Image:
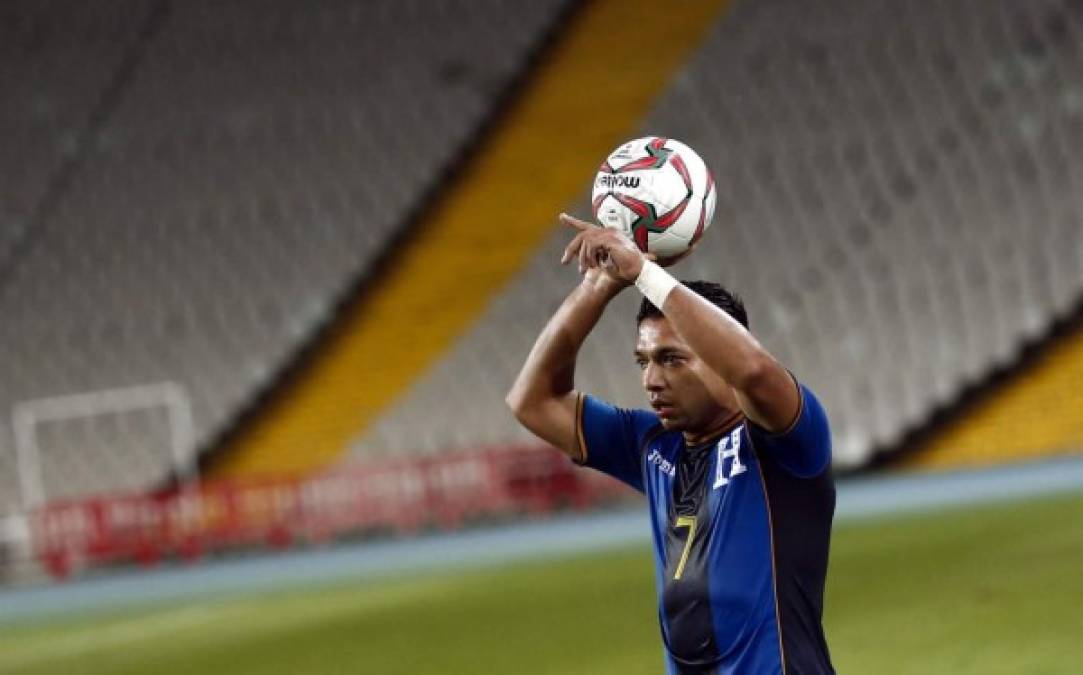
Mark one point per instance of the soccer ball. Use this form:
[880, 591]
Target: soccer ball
[658, 192]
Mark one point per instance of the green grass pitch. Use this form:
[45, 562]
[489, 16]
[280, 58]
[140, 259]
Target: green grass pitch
[993, 590]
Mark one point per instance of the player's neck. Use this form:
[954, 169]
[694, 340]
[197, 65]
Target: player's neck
[724, 422]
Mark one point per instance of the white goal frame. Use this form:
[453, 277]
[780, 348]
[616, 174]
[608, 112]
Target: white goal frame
[27, 415]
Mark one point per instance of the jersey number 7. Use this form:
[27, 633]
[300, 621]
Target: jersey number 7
[690, 523]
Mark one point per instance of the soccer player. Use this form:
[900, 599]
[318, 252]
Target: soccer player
[734, 460]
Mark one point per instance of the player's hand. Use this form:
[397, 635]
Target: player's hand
[598, 280]
[599, 248]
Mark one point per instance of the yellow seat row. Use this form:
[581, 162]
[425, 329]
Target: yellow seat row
[1035, 413]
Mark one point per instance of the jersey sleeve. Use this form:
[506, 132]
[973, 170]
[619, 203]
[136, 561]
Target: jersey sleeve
[805, 448]
[611, 438]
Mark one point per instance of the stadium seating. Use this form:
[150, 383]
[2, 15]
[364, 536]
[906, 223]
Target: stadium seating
[57, 60]
[899, 203]
[474, 239]
[193, 186]
[1038, 412]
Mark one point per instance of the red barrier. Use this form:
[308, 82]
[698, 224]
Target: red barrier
[397, 496]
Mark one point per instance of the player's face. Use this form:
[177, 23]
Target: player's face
[684, 392]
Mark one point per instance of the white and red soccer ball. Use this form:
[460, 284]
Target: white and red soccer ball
[658, 192]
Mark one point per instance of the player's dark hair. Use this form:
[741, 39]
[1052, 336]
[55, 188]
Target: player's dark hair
[712, 292]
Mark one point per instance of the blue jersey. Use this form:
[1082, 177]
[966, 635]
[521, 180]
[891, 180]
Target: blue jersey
[741, 525]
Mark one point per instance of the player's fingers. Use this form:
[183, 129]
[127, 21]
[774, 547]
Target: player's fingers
[590, 256]
[572, 249]
[603, 259]
[606, 261]
[586, 255]
[652, 257]
[572, 221]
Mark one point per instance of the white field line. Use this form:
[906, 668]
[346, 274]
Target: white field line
[91, 638]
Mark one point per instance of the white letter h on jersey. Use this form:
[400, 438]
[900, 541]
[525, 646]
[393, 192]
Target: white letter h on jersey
[729, 448]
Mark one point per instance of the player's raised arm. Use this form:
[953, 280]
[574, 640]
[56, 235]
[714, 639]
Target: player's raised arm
[766, 392]
[543, 398]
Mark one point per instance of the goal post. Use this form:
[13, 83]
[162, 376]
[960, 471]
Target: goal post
[27, 416]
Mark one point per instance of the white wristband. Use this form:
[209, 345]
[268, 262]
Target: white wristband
[655, 283]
